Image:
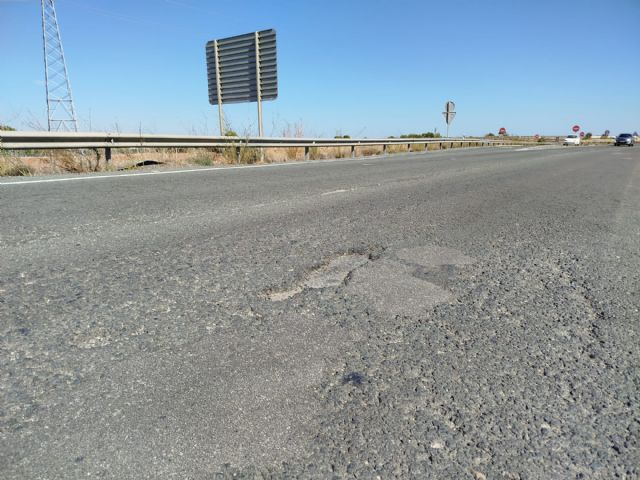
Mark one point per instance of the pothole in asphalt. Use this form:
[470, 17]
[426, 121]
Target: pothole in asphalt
[332, 274]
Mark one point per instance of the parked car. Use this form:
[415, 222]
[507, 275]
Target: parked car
[571, 140]
[624, 139]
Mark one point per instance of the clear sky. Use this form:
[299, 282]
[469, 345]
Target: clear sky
[369, 68]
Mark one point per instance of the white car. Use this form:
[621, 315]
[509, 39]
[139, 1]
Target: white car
[571, 140]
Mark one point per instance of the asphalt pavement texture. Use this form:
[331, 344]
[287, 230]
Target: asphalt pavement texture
[466, 314]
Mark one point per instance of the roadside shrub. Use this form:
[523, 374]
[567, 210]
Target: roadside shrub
[203, 160]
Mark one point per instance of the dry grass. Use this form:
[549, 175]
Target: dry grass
[14, 167]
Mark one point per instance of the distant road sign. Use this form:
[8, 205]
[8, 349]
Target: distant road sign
[581, 134]
[536, 136]
[502, 131]
[576, 128]
[449, 113]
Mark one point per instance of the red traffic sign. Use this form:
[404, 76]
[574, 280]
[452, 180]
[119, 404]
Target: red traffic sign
[581, 134]
[576, 128]
[502, 131]
[536, 136]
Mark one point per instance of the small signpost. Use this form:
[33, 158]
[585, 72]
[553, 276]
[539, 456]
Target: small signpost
[502, 131]
[581, 134]
[576, 128]
[449, 114]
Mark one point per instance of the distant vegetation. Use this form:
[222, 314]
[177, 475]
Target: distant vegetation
[7, 128]
[342, 136]
[419, 135]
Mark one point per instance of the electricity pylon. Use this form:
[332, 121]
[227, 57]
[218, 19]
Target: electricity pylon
[61, 115]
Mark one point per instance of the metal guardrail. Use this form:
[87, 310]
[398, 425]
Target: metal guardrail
[108, 141]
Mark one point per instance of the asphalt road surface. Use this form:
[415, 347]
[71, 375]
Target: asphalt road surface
[468, 314]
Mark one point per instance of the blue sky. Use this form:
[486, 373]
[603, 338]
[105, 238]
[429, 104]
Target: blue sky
[365, 68]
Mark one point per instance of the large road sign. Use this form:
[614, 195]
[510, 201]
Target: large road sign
[243, 69]
[576, 128]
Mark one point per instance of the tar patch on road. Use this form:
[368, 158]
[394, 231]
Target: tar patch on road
[353, 378]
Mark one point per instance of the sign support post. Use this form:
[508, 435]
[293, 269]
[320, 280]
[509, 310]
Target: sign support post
[259, 92]
[218, 87]
[259, 85]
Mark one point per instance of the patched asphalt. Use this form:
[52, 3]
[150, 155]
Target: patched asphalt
[462, 314]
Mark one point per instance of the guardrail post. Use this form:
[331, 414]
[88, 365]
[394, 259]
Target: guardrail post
[238, 154]
[107, 155]
[353, 151]
[409, 147]
[384, 149]
[441, 143]
[306, 153]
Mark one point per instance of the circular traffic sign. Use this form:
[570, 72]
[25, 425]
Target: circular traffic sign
[581, 134]
[502, 131]
[576, 128]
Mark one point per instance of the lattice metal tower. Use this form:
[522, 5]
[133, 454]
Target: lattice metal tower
[61, 115]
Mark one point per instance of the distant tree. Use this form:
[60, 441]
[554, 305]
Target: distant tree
[230, 133]
[7, 128]
[342, 136]
[419, 135]
[606, 133]
[588, 135]
[635, 134]
[489, 135]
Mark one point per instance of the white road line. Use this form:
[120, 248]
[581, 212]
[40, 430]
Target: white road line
[334, 192]
[141, 174]
[167, 172]
[192, 170]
